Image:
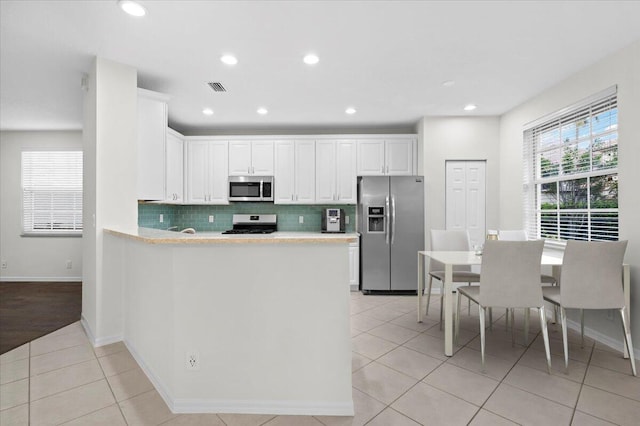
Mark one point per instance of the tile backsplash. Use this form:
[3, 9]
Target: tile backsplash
[197, 216]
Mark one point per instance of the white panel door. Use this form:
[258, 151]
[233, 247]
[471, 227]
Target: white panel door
[305, 172]
[325, 172]
[262, 158]
[197, 171]
[284, 172]
[456, 205]
[476, 201]
[399, 157]
[466, 198]
[371, 158]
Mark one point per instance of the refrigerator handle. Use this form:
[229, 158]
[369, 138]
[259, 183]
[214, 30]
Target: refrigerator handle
[393, 219]
[388, 214]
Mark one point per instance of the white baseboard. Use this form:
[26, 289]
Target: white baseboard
[598, 336]
[42, 279]
[101, 341]
[157, 383]
[184, 405]
[603, 338]
[263, 407]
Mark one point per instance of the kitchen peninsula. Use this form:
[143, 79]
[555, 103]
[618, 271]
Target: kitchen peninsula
[238, 323]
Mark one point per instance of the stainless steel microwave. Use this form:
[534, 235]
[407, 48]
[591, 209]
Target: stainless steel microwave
[250, 188]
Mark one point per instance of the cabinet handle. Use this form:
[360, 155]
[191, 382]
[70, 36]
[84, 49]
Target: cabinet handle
[248, 170]
[387, 169]
[253, 170]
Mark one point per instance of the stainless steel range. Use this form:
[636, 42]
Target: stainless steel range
[253, 224]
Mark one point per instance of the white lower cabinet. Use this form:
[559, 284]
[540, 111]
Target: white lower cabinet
[354, 266]
[207, 172]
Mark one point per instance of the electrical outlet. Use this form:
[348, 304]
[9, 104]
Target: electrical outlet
[210, 218]
[346, 220]
[193, 360]
[69, 264]
[161, 218]
[4, 264]
[300, 219]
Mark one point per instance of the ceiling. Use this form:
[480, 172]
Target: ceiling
[386, 59]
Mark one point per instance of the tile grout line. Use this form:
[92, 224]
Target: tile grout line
[586, 371]
[104, 376]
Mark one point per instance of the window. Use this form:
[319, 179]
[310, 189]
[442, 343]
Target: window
[52, 192]
[571, 172]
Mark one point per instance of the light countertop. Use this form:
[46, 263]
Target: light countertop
[160, 236]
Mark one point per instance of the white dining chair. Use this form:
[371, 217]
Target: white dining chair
[443, 240]
[521, 235]
[591, 278]
[509, 278]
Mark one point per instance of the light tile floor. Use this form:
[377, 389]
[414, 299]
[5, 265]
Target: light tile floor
[400, 377]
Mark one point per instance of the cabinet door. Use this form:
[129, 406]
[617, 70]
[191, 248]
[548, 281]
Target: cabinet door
[325, 172]
[197, 171]
[346, 178]
[399, 157]
[371, 158]
[284, 172]
[175, 168]
[239, 158]
[305, 172]
[152, 133]
[218, 172]
[262, 158]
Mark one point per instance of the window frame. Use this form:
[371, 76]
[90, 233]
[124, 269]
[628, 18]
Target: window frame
[28, 228]
[584, 111]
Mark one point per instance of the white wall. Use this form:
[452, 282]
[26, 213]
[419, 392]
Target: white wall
[457, 138]
[32, 258]
[622, 69]
[110, 175]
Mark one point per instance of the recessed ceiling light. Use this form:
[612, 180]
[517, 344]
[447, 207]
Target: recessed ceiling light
[132, 8]
[229, 59]
[262, 111]
[311, 59]
[470, 107]
[350, 111]
[207, 111]
[448, 83]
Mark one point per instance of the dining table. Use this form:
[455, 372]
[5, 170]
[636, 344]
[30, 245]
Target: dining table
[471, 258]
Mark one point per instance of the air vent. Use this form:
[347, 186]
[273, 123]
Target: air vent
[217, 87]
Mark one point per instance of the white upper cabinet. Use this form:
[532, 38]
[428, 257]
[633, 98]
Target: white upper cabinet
[370, 157]
[152, 133]
[336, 172]
[174, 160]
[207, 172]
[251, 158]
[305, 168]
[398, 156]
[391, 157]
[295, 172]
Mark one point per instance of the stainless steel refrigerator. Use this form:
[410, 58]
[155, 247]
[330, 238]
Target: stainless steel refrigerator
[391, 226]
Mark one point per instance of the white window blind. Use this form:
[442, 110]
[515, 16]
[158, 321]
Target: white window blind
[571, 172]
[51, 192]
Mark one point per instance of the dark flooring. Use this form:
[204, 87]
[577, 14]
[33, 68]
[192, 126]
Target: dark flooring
[29, 310]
